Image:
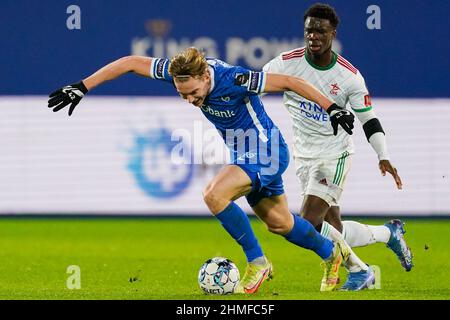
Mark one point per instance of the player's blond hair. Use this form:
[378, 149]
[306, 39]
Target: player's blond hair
[188, 63]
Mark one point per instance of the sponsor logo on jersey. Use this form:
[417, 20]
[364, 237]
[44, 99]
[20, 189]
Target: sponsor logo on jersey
[241, 79]
[324, 182]
[225, 99]
[249, 80]
[218, 113]
[160, 68]
[334, 89]
[313, 111]
[254, 80]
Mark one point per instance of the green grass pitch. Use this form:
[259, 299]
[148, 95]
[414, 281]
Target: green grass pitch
[159, 259]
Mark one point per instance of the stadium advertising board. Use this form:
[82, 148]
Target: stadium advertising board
[154, 155]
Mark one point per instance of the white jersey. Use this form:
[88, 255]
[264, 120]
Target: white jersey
[340, 82]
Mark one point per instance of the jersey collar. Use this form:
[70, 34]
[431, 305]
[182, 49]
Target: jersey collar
[211, 73]
[328, 67]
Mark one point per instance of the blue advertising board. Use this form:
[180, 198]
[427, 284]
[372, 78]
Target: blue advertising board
[401, 47]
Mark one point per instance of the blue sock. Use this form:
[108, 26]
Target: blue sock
[304, 235]
[236, 222]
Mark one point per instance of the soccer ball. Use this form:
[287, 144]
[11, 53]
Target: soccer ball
[218, 276]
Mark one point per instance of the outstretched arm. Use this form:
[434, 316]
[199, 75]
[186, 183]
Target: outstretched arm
[72, 94]
[338, 116]
[136, 64]
[279, 83]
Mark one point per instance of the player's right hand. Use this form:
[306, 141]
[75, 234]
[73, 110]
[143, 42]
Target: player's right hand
[71, 94]
[341, 116]
[386, 166]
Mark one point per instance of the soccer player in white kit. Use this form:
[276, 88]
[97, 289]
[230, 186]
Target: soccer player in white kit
[323, 159]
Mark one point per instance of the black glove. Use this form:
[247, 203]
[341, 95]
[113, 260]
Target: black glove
[341, 116]
[66, 95]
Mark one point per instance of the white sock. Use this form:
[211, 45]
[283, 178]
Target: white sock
[354, 264]
[359, 235]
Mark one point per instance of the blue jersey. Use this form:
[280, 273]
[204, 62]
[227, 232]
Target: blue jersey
[233, 106]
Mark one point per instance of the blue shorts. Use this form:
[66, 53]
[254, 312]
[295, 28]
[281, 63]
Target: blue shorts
[266, 177]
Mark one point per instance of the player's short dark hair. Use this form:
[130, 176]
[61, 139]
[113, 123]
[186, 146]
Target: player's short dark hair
[322, 11]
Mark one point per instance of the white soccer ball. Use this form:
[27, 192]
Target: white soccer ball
[218, 276]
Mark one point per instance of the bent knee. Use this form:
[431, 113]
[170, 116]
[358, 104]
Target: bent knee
[209, 196]
[215, 201]
[281, 228]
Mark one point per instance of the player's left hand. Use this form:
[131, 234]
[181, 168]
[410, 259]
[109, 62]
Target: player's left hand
[386, 166]
[71, 94]
[341, 116]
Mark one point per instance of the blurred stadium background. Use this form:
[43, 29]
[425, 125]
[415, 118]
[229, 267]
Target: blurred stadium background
[111, 156]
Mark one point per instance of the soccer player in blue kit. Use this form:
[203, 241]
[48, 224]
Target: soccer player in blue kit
[228, 97]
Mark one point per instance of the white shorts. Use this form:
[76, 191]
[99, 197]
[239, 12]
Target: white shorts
[323, 178]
